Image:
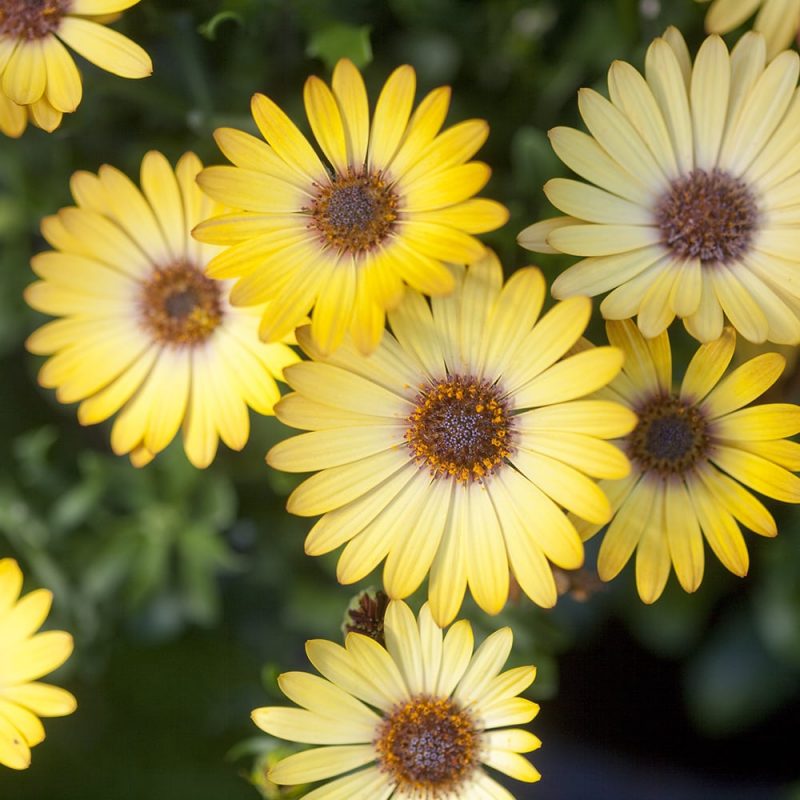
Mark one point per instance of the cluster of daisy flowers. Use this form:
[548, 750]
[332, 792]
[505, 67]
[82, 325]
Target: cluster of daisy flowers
[457, 431]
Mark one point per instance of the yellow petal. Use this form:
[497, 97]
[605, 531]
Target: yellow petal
[106, 48]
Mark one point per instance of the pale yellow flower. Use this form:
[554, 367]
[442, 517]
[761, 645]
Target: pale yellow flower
[421, 718]
[693, 203]
[695, 453]
[142, 330]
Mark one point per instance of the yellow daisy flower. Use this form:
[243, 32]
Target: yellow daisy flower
[693, 453]
[25, 656]
[420, 718]
[694, 211]
[143, 330]
[778, 20]
[453, 447]
[391, 202]
[38, 75]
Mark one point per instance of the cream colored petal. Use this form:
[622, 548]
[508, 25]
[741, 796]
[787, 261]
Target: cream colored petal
[335, 487]
[587, 202]
[486, 560]
[410, 559]
[525, 554]
[631, 94]
[339, 526]
[374, 660]
[582, 154]
[371, 782]
[321, 763]
[403, 644]
[725, 15]
[456, 657]
[748, 59]
[413, 326]
[565, 485]
[709, 100]
[762, 111]
[666, 81]
[778, 20]
[535, 237]
[617, 136]
[603, 240]
[299, 725]
[594, 276]
[592, 456]
[571, 378]
[484, 666]
[448, 576]
[707, 322]
[602, 418]
[512, 764]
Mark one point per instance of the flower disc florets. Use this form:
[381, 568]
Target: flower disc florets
[31, 19]
[671, 436]
[461, 426]
[355, 212]
[179, 305]
[708, 215]
[428, 745]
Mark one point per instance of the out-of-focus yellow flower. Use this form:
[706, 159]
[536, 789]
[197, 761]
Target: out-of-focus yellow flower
[26, 656]
[38, 77]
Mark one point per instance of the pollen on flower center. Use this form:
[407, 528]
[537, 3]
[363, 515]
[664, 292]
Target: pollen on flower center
[31, 19]
[354, 212]
[429, 746]
[671, 436]
[708, 215]
[179, 305]
[460, 427]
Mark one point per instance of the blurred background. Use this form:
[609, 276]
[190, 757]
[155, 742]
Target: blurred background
[188, 591]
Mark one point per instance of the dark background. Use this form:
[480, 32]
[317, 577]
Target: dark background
[188, 591]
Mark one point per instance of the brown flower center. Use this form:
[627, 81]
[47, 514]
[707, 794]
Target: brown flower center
[354, 212]
[429, 746]
[31, 19]
[671, 437]
[461, 426]
[179, 305]
[708, 215]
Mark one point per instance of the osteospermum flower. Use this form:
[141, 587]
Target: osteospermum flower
[38, 78]
[453, 447]
[390, 202]
[694, 211]
[144, 332]
[421, 718]
[25, 656]
[778, 20]
[694, 452]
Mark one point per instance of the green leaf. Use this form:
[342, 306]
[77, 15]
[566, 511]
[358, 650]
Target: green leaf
[341, 41]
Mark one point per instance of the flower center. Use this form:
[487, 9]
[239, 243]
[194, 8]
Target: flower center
[31, 19]
[429, 746]
[461, 427]
[354, 212]
[671, 437]
[179, 305]
[708, 215]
